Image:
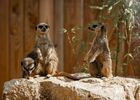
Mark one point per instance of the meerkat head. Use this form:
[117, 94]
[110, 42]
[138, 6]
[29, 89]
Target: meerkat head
[28, 65]
[98, 27]
[42, 28]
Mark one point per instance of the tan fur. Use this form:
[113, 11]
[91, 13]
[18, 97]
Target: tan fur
[49, 55]
[99, 53]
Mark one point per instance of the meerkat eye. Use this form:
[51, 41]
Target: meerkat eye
[31, 66]
[103, 28]
[46, 26]
[94, 26]
[40, 26]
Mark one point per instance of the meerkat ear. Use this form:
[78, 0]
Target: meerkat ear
[103, 28]
[21, 63]
[35, 27]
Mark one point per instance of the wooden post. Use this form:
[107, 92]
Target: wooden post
[46, 15]
[15, 38]
[4, 42]
[58, 31]
[30, 20]
[73, 15]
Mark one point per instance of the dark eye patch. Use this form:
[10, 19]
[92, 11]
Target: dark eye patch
[30, 67]
[94, 26]
[26, 68]
[46, 26]
[30, 64]
[40, 26]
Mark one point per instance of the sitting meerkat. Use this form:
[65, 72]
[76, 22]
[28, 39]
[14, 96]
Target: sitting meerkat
[99, 57]
[42, 60]
[43, 42]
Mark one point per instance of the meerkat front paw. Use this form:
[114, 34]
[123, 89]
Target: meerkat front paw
[30, 78]
[36, 76]
[48, 76]
[106, 78]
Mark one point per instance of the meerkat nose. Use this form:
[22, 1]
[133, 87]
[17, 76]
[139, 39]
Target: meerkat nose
[43, 29]
[89, 27]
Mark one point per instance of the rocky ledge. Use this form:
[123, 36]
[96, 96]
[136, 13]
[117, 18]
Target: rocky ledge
[61, 88]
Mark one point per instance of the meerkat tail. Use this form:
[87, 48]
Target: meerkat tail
[71, 76]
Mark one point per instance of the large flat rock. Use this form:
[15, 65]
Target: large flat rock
[61, 88]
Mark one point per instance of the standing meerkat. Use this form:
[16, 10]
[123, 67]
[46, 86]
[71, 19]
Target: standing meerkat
[99, 56]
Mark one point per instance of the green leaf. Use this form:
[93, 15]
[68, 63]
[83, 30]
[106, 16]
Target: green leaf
[136, 48]
[113, 3]
[83, 47]
[64, 30]
[99, 7]
[130, 3]
[129, 55]
[109, 9]
[77, 27]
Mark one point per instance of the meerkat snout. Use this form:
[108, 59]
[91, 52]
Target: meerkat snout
[42, 27]
[97, 27]
[92, 27]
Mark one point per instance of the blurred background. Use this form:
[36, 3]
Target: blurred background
[68, 20]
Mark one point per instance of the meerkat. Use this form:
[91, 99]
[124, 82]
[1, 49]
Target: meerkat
[99, 57]
[47, 49]
[30, 64]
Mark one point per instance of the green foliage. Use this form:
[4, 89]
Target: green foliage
[83, 47]
[76, 28]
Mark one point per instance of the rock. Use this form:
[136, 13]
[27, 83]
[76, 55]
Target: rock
[61, 88]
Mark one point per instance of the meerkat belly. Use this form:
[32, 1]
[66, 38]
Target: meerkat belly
[44, 50]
